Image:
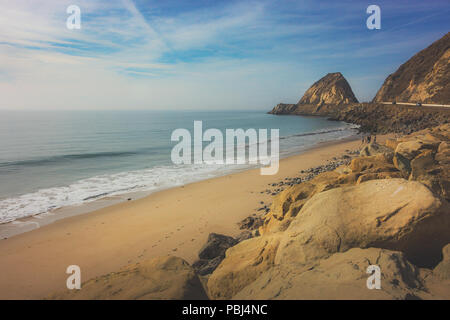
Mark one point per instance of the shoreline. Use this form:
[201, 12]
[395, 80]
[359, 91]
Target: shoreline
[174, 221]
[34, 222]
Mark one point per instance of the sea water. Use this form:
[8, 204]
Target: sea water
[53, 159]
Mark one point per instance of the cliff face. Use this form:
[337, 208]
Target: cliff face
[423, 78]
[331, 89]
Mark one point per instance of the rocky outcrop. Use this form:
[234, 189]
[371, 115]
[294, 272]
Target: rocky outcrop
[341, 276]
[424, 157]
[324, 96]
[163, 278]
[382, 118]
[393, 214]
[321, 235]
[243, 264]
[423, 78]
[333, 89]
[442, 270]
[283, 108]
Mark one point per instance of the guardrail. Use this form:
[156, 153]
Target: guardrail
[415, 104]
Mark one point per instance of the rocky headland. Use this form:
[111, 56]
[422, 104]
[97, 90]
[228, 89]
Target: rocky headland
[422, 79]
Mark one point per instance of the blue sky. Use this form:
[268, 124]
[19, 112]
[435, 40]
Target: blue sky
[208, 54]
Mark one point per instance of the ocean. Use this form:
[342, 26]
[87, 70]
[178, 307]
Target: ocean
[53, 159]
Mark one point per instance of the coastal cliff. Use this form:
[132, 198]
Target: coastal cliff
[424, 78]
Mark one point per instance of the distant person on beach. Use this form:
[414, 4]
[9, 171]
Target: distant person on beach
[368, 139]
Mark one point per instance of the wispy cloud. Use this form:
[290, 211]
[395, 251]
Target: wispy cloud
[196, 54]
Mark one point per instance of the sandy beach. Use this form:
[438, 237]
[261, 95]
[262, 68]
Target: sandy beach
[175, 221]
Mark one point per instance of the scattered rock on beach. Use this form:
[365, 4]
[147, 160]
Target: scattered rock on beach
[216, 246]
[212, 253]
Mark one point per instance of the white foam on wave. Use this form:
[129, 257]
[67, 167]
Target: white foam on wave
[86, 190]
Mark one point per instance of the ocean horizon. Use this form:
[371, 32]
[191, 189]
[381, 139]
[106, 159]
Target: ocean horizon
[54, 159]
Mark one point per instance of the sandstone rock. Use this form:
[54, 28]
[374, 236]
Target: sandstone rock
[421, 164]
[394, 214]
[408, 150]
[442, 270]
[216, 246]
[373, 149]
[245, 235]
[443, 153]
[289, 202]
[164, 278]
[392, 143]
[341, 276]
[372, 164]
[378, 175]
[242, 265]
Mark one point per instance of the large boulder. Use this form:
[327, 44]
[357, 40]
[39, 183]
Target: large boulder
[163, 278]
[408, 150]
[341, 276]
[289, 202]
[394, 214]
[243, 264]
[442, 270]
[372, 164]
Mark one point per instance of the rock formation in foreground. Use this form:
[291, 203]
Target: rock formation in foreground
[424, 78]
[330, 91]
[389, 207]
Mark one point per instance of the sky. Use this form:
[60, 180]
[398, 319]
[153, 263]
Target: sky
[202, 54]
